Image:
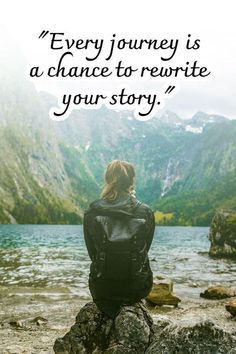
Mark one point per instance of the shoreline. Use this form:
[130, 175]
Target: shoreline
[32, 319]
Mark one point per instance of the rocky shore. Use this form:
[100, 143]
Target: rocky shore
[32, 320]
[135, 331]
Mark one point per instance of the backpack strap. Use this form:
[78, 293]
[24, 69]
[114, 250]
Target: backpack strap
[102, 255]
[135, 204]
[134, 257]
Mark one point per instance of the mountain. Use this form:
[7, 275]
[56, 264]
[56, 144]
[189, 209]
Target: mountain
[50, 171]
[54, 169]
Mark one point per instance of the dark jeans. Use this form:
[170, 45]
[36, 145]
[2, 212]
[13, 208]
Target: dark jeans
[110, 295]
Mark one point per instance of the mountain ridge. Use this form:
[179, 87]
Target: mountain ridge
[51, 171]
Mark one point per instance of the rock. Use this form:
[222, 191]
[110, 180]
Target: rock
[39, 320]
[133, 332]
[231, 307]
[192, 336]
[93, 332]
[17, 323]
[160, 322]
[217, 293]
[223, 234]
[161, 294]
[193, 285]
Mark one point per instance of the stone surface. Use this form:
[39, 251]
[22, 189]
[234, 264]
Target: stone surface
[223, 234]
[217, 293]
[192, 336]
[17, 323]
[39, 320]
[231, 307]
[130, 332]
[134, 332]
[161, 293]
[16, 349]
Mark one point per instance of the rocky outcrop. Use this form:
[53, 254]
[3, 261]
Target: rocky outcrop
[93, 332]
[162, 293]
[223, 234]
[192, 336]
[133, 332]
[217, 293]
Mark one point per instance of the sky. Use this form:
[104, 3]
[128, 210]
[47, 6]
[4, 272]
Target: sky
[210, 21]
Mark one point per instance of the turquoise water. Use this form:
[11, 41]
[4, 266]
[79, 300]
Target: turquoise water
[56, 256]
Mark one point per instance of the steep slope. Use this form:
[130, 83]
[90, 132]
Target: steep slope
[34, 186]
[198, 207]
[50, 171]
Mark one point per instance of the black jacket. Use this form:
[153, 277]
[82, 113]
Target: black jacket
[131, 291]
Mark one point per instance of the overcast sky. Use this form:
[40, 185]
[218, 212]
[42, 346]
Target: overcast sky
[212, 22]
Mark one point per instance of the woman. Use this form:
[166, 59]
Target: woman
[118, 231]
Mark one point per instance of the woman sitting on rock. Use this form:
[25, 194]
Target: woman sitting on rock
[118, 231]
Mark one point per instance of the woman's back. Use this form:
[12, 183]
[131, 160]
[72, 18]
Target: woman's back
[118, 231]
[118, 235]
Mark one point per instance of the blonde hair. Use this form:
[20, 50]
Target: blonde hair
[119, 177]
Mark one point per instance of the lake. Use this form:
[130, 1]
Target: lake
[55, 256]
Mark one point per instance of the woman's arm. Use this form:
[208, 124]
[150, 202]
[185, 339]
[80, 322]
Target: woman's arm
[89, 233]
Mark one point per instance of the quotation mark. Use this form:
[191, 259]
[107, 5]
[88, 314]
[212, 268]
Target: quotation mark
[43, 34]
[170, 89]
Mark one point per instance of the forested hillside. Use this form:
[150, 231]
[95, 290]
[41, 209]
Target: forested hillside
[50, 171]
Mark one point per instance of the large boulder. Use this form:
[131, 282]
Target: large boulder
[133, 332]
[193, 336]
[223, 234]
[93, 332]
[162, 293]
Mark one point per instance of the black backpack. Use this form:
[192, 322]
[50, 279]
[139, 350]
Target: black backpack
[121, 246]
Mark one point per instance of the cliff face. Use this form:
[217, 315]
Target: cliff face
[223, 234]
